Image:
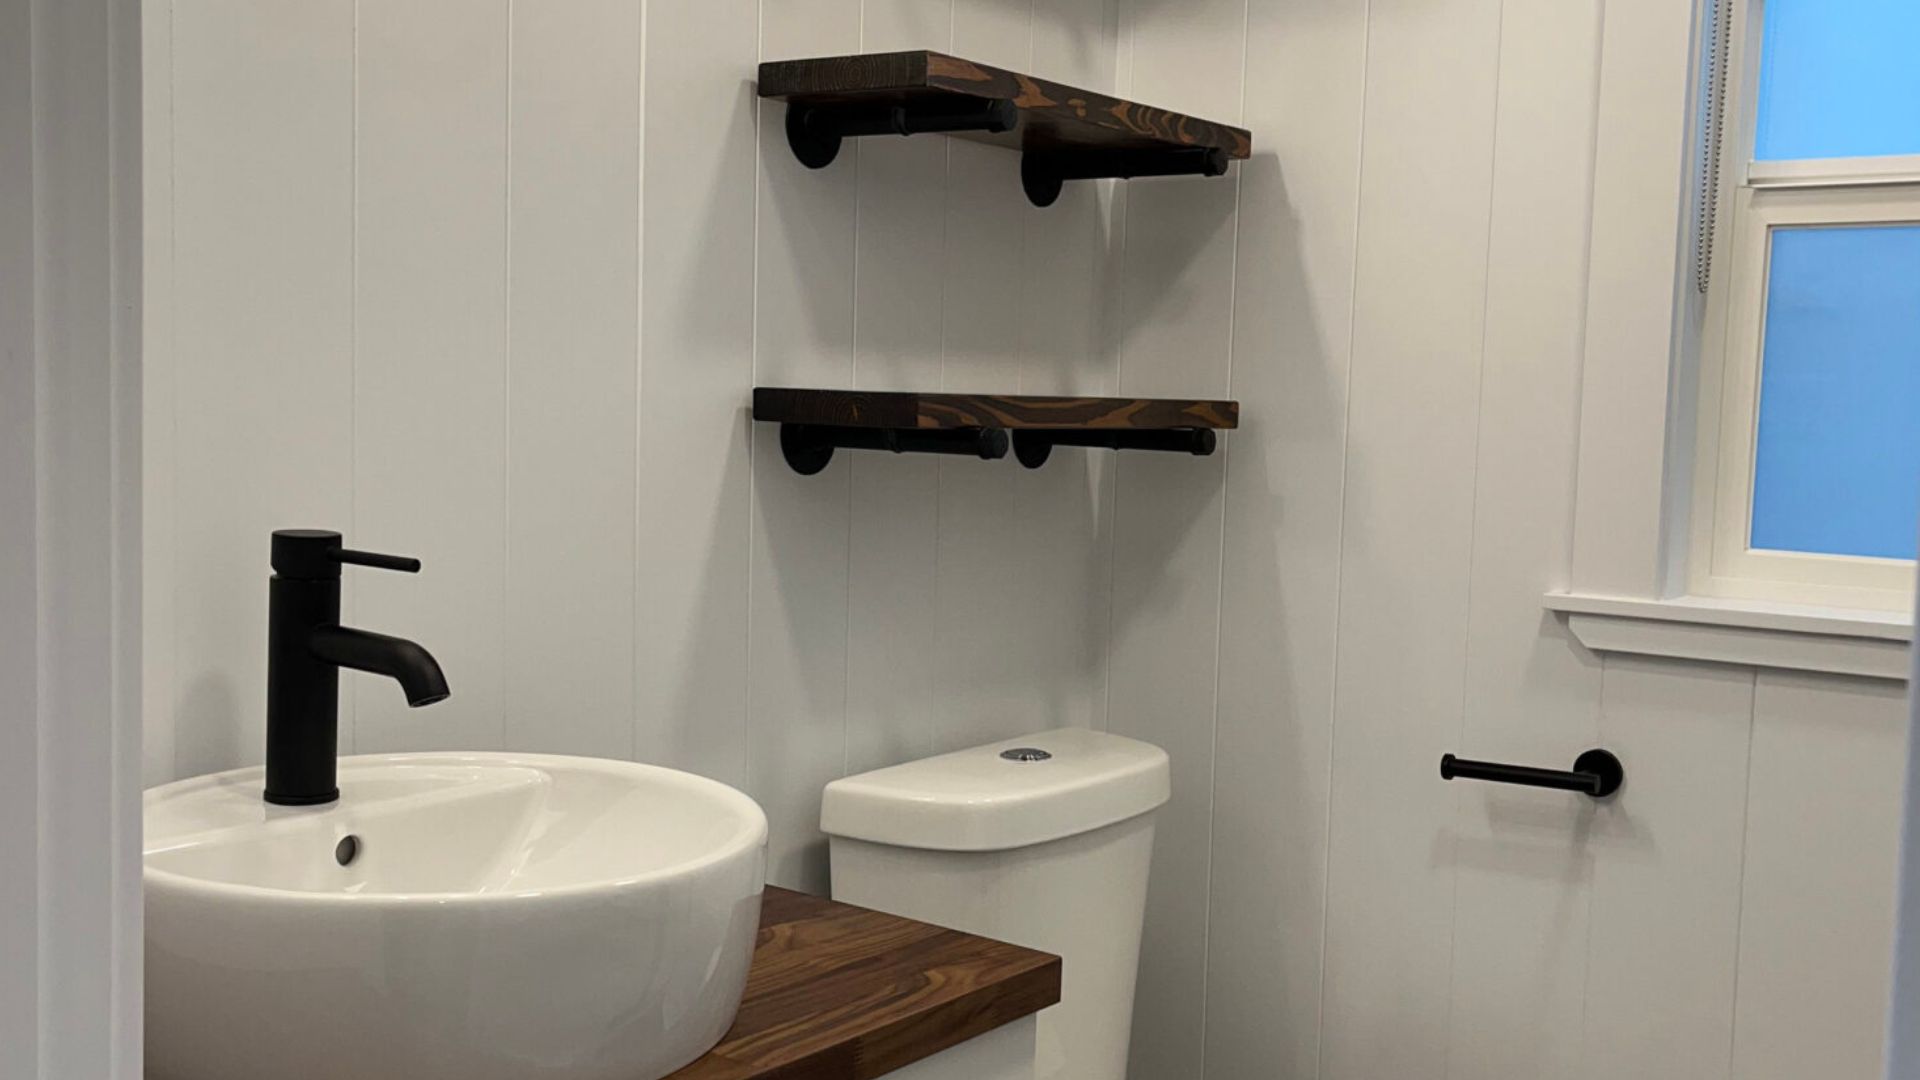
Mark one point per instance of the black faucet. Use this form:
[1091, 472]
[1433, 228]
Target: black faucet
[307, 647]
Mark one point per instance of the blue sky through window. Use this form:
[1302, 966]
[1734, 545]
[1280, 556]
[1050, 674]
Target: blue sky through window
[1839, 78]
[1837, 459]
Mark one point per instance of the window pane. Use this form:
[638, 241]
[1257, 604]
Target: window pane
[1839, 78]
[1837, 464]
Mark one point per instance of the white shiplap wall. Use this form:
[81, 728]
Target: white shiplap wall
[489, 282]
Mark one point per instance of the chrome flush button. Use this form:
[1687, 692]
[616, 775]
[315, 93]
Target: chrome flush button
[1025, 753]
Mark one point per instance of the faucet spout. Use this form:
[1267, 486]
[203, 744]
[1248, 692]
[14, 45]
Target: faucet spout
[413, 667]
[307, 647]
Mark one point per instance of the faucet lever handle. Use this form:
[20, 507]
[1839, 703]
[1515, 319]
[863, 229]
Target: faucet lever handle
[402, 563]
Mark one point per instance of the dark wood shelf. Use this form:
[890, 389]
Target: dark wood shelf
[813, 423]
[1064, 132]
[842, 993]
[1053, 115]
[946, 412]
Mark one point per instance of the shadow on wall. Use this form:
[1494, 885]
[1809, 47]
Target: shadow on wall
[1071, 23]
[1272, 739]
[797, 672]
[1020, 647]
[1176, 222]
[1180, 227]
[1010, 565]
[207, 722]
[694, 336]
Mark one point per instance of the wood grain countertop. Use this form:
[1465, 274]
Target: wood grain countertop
[842, 993]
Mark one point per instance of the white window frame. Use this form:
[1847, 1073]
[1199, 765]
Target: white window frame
[1763, 197]
[1653, 355]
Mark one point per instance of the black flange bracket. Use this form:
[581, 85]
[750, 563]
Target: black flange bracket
[814, 131]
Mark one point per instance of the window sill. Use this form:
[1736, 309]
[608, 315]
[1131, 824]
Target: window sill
[1870, 644]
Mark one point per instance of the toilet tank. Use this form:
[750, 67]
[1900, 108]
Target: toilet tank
[1043, 840]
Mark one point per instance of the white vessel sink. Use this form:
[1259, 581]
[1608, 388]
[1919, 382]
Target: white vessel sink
[500, 917]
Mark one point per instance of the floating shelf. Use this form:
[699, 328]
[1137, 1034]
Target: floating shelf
[1065, 133]
[813, 423]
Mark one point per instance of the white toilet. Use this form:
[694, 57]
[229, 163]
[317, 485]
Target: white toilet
[1043, 841]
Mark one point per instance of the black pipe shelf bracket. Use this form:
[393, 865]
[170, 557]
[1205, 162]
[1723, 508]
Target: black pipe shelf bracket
[808, 448]
[1043, 172]
[1032, 446]
[815, 131]
[1596, 774]
[815, 423]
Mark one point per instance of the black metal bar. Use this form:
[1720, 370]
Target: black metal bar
[406, 564]
[1596, 773]
[814, 131]
[1042, 172]
[1034, 445]
[809, 447]
[1128, 164]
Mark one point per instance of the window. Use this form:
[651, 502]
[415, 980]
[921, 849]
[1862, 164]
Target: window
[1837, 80]
[1808, 480]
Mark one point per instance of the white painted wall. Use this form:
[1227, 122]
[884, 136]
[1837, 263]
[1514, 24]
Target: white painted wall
[405, 251]
[19, 548]
[490, 284]
[1903, 1022]
[70, 165]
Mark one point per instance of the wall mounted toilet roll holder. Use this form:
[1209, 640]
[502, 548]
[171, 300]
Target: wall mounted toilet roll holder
[1596, 773]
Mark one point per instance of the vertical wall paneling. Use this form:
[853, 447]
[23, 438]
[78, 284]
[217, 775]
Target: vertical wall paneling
[1408, 536]
[1174, 337]
[573, 291]
[1903, 1017]
[159, 410]
[1292, 325]
[998, 32]
[70, 257]
[1166, 598]
[1666, 871]
[1520, 857]
[803, 311]
[696, 371]
[1185, 56]
[1071, 253]
[893, 25]
[1062, 528]
[263, 361]
[430, 365]
[892, 537]
[21, 918]
[1640, 191]
[493, 284]
[899, 301]
[984, 687]
[1076, 41]
[984, 681]
[1817, 888]
[119, 33]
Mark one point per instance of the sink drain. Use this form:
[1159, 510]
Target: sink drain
[347, 850]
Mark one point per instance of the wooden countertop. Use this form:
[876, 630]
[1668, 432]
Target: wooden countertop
[842, 993]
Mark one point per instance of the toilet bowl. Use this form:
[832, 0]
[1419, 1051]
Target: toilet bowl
[1043, 841]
